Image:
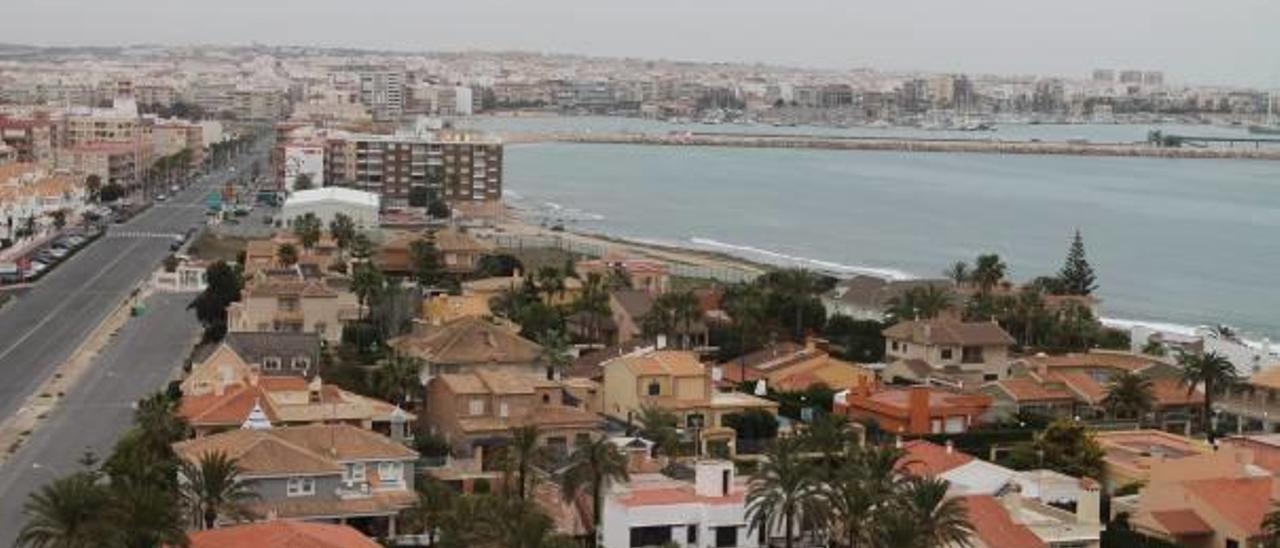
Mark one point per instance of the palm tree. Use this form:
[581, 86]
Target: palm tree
[783, 490]
[746, 307]
[524, 452]
[797, 285]
[1271, 528]
[343, 230]
[435, 499]
[288, 254]
[368, 284]
[661, 427]
[308, 228]
[1154, 348]
[398, 378]
[594, 466]
[861, 492]
[988, 271]
[958, 273]
[1212, 371]
[594, 301]
[551, 282]
[518, 523]
[69, 512]
[937, 521]
[213, 489]
[919, 303]
[555, 353]
[158, 418]
[1130, 394]
[685, 310]
[146, 514]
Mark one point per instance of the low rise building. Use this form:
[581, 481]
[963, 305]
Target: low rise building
[677, 382]
[793, 367]
[281, 534]
[913, 410]
[868, 297]
[471, 344]
[1131, 455]
[292, 302]
[474, 409]
[656, 510]
[326, 203]
[241, 354]
[958, 352]
[329, 473]
[646, 275]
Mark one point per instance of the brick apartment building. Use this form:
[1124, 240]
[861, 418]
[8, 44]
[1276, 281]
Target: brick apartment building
[460, 169]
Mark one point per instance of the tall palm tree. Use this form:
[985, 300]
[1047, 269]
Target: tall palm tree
[958, 273]
[746, 307]
[939, 521]
[685, 310]
[288, 254]
[157, 418]
[518, 523]
[69, 512]
[368, 284]
[797, 285]
[213, 489]
[784, 491]
[594, 301]
[988, 271]
[398, 379]
[661, 427]
[551, 282]
[861, 492]
[919, 303]
[555, 353]
[343, 230]
[594, 466]
[435, 499]
[1130, 394]
[1215, 373]
[308, 229]
[524, 453]
[146, 514]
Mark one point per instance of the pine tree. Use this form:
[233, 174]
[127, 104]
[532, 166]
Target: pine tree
[1077, 275]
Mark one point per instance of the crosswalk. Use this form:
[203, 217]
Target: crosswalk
[138, 234]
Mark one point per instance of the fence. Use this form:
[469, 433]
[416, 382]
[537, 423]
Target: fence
[726, 274]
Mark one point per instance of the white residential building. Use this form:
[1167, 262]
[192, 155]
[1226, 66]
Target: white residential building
[325, 203]
[654, 510]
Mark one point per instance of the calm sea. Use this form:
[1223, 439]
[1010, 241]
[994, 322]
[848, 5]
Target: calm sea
[1186, 242]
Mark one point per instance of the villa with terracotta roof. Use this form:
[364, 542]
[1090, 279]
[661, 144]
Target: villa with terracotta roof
[281, 534]
[677, 382]
[291, 401]
[795, 367]
[1131, 455]
[1253, 405]
[482, 407]
[329, 473]
[469, 344]
[241, 354]
[913, 410]
[1215, 499]
[293, 301]
[650, 276]
[944, 349]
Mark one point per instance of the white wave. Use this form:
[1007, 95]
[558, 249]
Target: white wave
[1162, 327]
[553, 206]
[783, 258]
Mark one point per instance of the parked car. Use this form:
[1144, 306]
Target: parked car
[161, 198]
[57, 252]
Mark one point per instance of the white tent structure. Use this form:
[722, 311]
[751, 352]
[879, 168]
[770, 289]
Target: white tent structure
[325, 203]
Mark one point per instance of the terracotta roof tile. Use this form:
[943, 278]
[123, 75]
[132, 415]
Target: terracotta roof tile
[924, 458]
[1182, 522]
[1243, 501]
[953, 332]
[1027, 388]
[992, 523]
[281, 534]
[469, 340]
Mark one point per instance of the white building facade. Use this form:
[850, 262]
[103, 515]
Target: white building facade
[326, 203]
[654, 510]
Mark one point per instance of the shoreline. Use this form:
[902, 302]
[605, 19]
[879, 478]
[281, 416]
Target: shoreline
[515, 222]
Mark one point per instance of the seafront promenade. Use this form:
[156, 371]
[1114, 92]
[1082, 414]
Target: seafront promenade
[906, 144]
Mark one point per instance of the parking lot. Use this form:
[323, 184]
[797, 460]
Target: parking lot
[36, 262]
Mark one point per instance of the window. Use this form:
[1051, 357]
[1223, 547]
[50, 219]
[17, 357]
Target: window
[727, 536]
[271, 363]
[354, 472]
[655, 388]
[971, 354]
[477, 406]
[946, 353]
[935, 426]
[502, 409]
[894, 345]
[546, 398]
[691, 535]
[693, 420]
[650, 536]
[581, 438]
[551, 373]
[301, 487]
[990, 377]
[301, 363]
[1233, 543]
[390, 472]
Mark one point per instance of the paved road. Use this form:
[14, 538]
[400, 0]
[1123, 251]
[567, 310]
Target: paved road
[142, 358]
[43, 326]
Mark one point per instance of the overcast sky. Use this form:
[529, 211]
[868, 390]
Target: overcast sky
[1194, 41]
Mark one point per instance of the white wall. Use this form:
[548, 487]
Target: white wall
[303, 159]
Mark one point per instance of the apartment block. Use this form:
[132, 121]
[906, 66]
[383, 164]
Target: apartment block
[458, 169]
[383, 92]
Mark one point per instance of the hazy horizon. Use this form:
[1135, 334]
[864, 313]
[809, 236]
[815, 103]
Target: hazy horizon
[1231, 42]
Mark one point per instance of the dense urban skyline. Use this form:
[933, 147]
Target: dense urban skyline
[1190, 43]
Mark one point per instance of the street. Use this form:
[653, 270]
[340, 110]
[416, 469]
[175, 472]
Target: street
[142, 358]
[42, 326]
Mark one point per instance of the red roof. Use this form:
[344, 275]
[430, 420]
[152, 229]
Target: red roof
[1026, 389]
[992, 523]
[1181, 523]
[925, 458]
[282, 534]
[1243, 501]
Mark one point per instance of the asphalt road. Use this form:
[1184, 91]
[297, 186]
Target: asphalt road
[42, 327]
[146, 354]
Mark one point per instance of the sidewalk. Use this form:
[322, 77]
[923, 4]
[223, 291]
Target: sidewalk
[14, 252]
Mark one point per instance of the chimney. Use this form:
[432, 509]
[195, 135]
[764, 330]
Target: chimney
[713, 478]
[918, 410]
[661, 342]
[1089, 507]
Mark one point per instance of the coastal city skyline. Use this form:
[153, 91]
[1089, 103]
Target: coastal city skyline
[996, 37]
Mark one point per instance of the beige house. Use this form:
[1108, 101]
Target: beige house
[289, 301]
[964, 353]
[469, 344]
[243, 354]
[677, 382]
[471, 409]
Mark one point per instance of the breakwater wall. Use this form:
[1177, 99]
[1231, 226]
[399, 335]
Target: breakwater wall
[905, 144]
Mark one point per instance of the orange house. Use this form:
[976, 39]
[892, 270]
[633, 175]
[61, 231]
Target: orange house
[914, 409]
